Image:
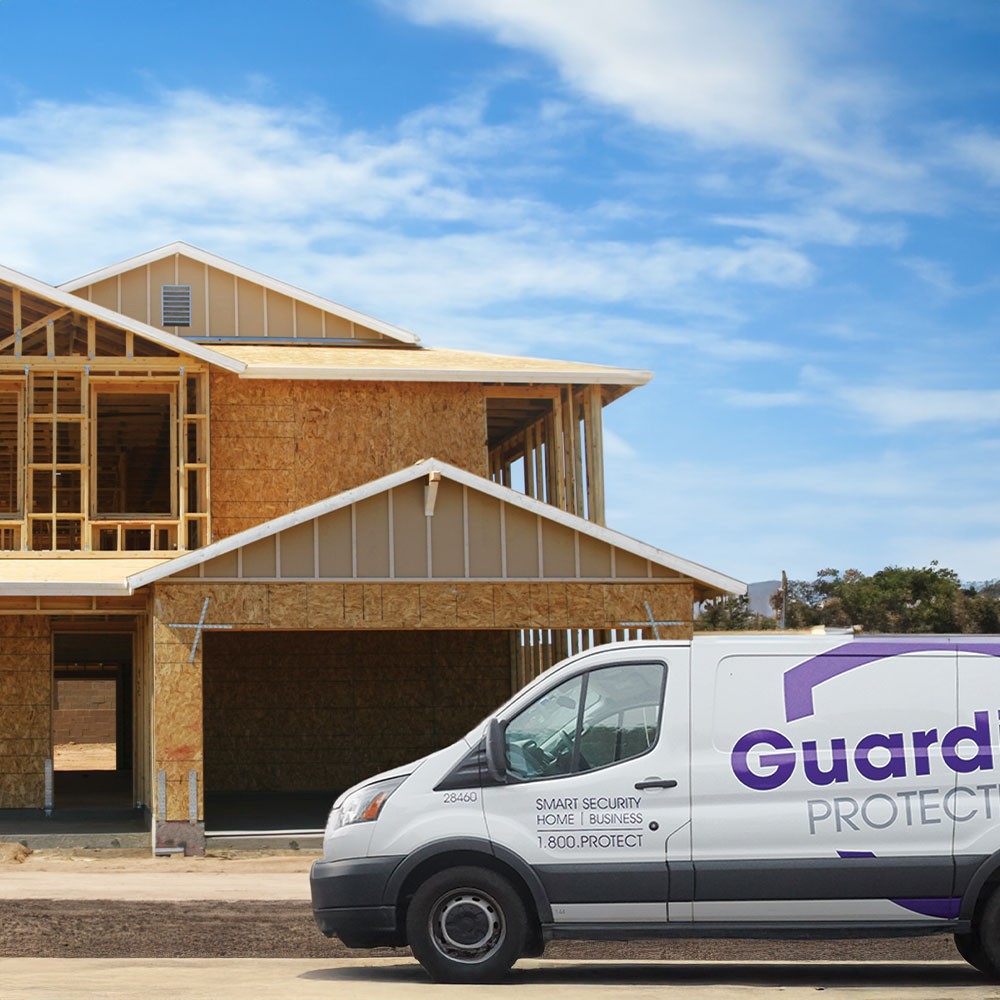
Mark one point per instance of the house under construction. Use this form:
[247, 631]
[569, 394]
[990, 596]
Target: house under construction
[280, 544]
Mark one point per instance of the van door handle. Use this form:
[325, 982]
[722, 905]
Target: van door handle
[655, 783]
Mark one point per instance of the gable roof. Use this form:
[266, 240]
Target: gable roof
[480, 531]
[60, 297]
[239, 271]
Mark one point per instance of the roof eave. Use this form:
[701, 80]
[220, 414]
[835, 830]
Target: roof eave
[624, 378]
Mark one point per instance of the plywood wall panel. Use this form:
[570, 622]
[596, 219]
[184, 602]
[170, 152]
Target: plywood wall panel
[332, 436]
[25, 710]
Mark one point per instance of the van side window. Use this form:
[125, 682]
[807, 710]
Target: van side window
[601, 717]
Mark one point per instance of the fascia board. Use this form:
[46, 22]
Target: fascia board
[77, 304]
[238, 270]
[56, 589]
[699, 573]
[622, 377]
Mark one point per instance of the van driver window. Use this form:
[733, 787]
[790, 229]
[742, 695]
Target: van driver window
[594, 719]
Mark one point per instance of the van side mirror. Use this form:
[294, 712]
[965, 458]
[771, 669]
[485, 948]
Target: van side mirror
[496, 752]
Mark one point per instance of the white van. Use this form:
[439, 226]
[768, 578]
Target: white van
[785, 786]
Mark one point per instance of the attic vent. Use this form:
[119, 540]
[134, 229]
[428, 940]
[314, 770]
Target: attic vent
[176, 305]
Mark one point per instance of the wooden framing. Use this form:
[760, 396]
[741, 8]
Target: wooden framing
[561, 451]
[58, 364]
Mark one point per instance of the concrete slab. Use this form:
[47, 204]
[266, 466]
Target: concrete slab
[387, 979]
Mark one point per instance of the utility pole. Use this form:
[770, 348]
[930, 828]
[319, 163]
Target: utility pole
[784, 596]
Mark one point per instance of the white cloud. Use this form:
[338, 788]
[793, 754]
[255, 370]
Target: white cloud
[980, 151]
[764, 400]
[819, 225]
[286, 191]
[758, 75]
[899, 408]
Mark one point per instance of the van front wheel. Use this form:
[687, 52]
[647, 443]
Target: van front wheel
[466, 925]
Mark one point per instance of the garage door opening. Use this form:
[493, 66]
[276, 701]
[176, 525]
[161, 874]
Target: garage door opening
[92, 725]
[291, 719]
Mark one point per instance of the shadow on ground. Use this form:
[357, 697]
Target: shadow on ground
[817, 975]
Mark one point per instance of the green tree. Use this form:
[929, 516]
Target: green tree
[895, 599]
[731, 613]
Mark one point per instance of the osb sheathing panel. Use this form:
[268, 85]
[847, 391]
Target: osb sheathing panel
[25, 710]
[321, 710]
[416, 605]
[291, 443]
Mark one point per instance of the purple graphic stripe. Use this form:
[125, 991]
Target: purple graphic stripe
[802, 679]
[944, 907]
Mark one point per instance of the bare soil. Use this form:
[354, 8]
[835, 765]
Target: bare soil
[246, 927]
[253, 929]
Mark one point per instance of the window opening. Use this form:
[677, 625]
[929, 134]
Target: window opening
[134, 464]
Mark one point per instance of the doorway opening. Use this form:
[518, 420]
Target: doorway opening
[92, 720]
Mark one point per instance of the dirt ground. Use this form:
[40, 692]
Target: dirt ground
[246, 927]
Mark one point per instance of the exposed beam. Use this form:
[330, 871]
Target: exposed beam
[32, 327]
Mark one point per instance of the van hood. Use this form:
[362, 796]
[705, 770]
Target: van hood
[403, 771]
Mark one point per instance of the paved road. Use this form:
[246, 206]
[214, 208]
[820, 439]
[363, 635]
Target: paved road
[387, 979]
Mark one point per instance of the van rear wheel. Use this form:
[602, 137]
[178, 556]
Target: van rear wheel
[970, 948]
[983, 949]
[466, 925]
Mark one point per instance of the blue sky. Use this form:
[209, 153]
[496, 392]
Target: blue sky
[788, 210]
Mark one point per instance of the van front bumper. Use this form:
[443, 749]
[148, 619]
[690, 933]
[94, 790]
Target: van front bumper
[348, 899]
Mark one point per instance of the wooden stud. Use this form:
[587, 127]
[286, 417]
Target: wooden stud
[529, 461]
[577, 455]
[91, 337]
[559, 458]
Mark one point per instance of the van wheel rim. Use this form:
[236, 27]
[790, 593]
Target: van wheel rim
[467, 925]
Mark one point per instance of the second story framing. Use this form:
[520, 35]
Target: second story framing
[104, 430]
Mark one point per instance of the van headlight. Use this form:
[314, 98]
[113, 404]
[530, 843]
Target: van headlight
[363, 805]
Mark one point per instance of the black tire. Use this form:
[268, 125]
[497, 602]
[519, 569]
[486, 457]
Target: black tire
[466, 925]
[970, 948]
[984, 950]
